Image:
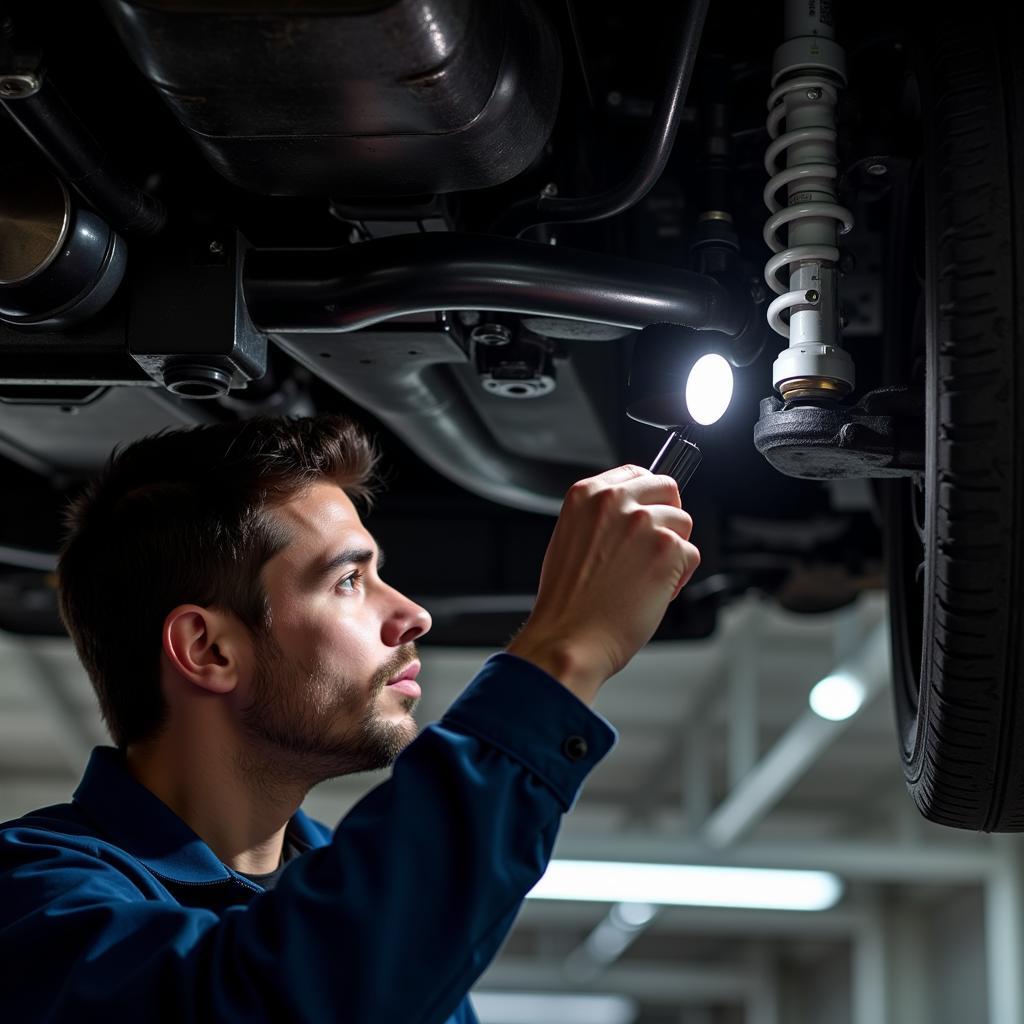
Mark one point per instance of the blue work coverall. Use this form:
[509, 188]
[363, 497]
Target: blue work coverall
[112, 908]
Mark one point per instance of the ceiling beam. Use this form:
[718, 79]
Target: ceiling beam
[798, 748]
[669, 982]
[921, 862]
[563, 915]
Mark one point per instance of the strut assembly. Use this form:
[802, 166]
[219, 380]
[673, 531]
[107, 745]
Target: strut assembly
[809, 70]
[810, 433]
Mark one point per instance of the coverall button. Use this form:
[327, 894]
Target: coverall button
[575, 748]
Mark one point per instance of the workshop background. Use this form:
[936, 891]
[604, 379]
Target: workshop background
[720, 761]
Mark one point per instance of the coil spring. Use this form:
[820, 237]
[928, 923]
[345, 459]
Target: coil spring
[783, 215]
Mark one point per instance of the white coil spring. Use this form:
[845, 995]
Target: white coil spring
[782, 215]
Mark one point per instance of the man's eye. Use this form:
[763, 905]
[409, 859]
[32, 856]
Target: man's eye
[354, 578]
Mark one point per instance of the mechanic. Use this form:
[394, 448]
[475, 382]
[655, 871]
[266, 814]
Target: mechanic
[226, 600]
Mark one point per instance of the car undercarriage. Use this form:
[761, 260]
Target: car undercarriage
[496, 233]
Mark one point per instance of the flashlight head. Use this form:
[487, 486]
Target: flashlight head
[673, 380]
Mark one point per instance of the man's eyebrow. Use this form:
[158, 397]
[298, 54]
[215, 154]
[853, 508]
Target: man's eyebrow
[351, 556]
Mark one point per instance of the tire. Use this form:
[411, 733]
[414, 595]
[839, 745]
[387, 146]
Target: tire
[957, 630]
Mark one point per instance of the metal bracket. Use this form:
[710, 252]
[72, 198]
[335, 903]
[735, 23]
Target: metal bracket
[881, 436]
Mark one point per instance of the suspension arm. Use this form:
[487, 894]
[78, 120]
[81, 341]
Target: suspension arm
[354, 286]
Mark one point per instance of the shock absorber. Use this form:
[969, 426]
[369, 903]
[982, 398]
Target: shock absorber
[809, 69]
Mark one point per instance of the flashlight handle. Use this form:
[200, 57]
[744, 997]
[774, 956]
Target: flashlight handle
[678, 458]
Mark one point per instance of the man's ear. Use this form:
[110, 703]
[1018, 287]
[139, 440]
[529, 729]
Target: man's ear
[205, 646]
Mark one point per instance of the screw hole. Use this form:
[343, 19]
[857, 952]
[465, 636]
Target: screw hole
[325, 355]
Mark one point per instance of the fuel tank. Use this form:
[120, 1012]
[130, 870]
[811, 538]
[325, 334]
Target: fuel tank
[352, 97]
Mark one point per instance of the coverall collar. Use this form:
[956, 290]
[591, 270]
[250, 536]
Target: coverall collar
[135, 819]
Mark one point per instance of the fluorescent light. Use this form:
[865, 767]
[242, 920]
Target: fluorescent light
[552, 1008]
[632, 915]
[837, 696]
[688, 885]
[709, 389]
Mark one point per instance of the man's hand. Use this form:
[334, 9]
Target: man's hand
[620, 552]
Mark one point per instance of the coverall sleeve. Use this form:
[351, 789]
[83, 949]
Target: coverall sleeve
[392, 921]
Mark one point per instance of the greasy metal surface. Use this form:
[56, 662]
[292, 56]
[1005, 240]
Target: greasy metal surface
[408, 98]
[34, 213]
[881, 436]
[404, 374]
[77, 283]
[209, 332]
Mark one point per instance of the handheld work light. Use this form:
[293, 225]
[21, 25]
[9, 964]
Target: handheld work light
[676, 385]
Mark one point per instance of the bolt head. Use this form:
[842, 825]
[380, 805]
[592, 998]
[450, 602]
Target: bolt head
[491, 334]
[814, 94]
[14, 87]
[811, 296]
[216, 248]
[549, 190]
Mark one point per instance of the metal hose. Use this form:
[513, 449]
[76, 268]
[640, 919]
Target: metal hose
[548, 209]
[79, 159]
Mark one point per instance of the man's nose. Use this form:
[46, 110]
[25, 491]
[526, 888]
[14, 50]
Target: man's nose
[407, 622]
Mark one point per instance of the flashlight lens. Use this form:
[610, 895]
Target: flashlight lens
[709, 389]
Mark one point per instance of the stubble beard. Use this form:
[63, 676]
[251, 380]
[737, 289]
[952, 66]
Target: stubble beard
[295, 721]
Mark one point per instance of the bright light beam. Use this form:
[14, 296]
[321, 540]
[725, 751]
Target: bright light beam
[709, 389]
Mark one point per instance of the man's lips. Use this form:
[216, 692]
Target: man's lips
[405, 681]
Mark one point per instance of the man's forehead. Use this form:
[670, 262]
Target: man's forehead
[318, 523]
[324, 510]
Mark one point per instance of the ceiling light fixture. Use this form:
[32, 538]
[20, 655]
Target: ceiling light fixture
[837, 697]
[688, 885]
[553, 1008]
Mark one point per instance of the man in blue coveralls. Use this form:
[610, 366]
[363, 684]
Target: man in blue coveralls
[227, 603]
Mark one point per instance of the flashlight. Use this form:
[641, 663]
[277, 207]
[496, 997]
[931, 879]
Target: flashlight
[679, 458]
[657, 399]
[708, 393]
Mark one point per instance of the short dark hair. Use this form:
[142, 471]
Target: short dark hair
[183, 517]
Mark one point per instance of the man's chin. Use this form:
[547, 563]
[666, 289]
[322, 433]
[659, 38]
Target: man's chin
[395, 729]
[392, 706]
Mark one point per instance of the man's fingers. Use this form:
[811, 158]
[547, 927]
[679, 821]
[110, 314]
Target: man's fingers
[620, 474]
[682, 523]
[653, 489]
[675, 519]
[692, 564]
[641, 485]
